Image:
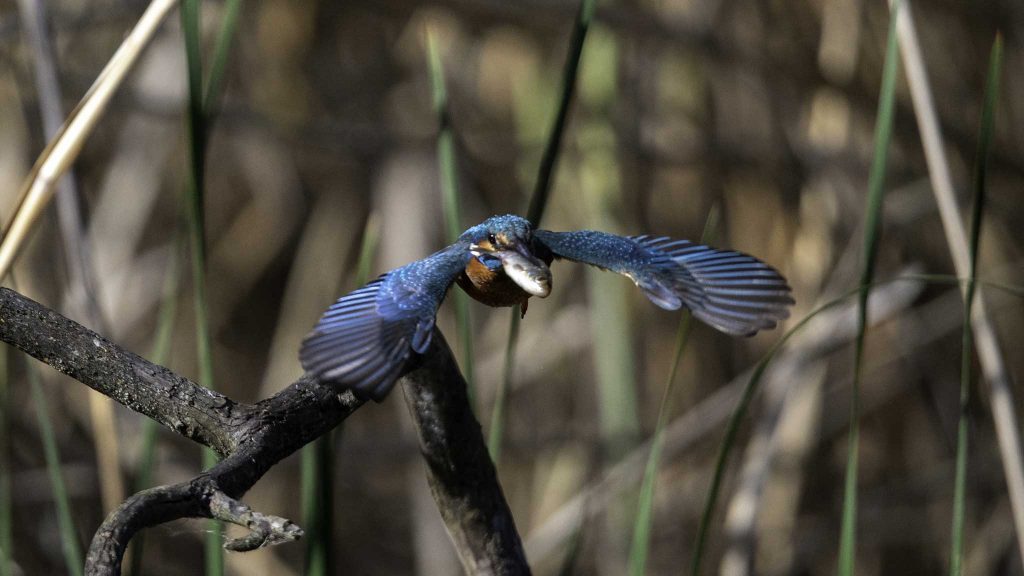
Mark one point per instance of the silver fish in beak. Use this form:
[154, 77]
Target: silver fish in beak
[526, 270]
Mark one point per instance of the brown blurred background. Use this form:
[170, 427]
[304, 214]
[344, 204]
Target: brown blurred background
[764, 109]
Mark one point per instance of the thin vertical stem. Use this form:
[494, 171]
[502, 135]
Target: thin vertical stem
[497, 431]
[645, 506]
[872, 233]
[6, 542]
[159, 354]
[538, 202]
[549, 161]
[318, 504]
[70, 545]
[446, 162]
[201, 109]
[318, 458]
[733, 425]
[81, 282]
[990, 357]
[197, 136]
[218, 64]
[980, 171]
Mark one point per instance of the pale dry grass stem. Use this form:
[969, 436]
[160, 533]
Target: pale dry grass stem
[59, 155]
[986, 341]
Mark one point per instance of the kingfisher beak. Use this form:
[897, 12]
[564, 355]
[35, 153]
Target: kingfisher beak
[525, 269]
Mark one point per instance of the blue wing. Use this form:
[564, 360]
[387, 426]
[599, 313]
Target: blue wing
[733, 292]
[363, 341]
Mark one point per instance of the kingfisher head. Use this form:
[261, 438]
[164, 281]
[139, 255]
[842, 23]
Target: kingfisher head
[507, 242]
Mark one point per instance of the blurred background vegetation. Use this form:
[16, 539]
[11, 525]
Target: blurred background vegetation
[761, 110]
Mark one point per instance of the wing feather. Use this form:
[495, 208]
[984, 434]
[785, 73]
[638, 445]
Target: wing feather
[732, 291]
[363, 340]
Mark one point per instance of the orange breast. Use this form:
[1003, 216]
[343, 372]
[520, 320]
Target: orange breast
[493, 288]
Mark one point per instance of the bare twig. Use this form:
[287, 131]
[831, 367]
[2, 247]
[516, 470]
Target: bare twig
[987, 344]
[263, 530]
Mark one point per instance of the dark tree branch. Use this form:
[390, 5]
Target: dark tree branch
[142, 510]
[459, 468]
[253, 438]
[193, 411]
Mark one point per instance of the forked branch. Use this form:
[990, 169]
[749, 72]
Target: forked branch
[252, 438]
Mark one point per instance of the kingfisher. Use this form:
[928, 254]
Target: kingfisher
[364, 340]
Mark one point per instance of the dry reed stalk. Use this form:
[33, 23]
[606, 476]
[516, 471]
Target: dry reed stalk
[986, 342]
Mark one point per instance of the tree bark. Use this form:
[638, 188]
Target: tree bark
[459, 469]
[251, 438]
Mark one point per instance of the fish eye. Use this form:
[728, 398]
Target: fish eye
[492, 239]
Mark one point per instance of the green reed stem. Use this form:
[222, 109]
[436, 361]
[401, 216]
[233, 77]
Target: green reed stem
[640, 548]
[447, 164]
[70, 545]
[318, 460]
[538, 202]
[158, 355]
[549, 161]
[872, 233]
[497, 431]
[6, 541]
[980, 170]
[200, 122]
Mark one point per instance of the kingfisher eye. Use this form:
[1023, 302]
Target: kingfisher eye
[492, 239]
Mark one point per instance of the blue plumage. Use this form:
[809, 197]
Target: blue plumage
[364, 340]
[734, 292]
[508, 224]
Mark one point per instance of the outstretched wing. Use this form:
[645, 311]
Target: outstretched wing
[731, 291]
[362, 341]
